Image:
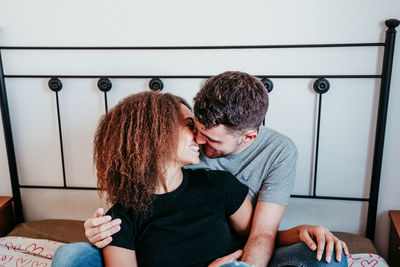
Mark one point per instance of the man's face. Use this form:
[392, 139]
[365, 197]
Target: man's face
[217, 141]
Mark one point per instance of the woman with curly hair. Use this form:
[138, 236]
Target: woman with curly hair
[170, 216]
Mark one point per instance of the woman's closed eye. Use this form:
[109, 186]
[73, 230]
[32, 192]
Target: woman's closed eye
[190, 123]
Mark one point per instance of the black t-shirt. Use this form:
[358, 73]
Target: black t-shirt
[186, 227]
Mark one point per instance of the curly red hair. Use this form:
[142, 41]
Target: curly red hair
[131, 145]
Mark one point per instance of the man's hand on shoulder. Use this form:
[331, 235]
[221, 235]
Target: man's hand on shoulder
[99, 228]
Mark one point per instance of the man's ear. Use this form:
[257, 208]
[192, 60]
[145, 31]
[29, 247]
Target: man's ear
[249, 135]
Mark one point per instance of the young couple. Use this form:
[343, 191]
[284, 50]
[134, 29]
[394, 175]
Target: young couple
[168, 211]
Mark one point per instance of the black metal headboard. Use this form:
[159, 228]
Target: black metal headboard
[321, 86]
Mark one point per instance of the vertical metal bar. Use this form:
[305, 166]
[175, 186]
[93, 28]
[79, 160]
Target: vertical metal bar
[61, 139]
[106, 102]
[381, 125]
[314, 193]
[12, 163]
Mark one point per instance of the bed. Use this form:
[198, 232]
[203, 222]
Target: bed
[33, 234]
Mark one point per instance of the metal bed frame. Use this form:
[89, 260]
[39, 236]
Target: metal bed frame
[321, 85]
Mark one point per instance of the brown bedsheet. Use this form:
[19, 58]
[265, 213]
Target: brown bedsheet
[357, 243]
[68, 231]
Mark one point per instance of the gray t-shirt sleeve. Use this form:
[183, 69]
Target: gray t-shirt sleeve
[278, 182]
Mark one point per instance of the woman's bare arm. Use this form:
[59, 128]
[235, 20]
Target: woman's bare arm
[116, 256]
[241, 219]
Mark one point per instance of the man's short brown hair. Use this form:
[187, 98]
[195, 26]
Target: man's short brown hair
[234, 99]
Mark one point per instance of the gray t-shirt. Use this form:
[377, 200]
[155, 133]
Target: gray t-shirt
[267, 167]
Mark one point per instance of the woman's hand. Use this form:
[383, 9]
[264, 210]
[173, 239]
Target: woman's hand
[324, 238]
[228, 258]
[99, 228]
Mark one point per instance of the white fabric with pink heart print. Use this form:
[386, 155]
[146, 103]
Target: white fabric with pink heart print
[22, 251]
[366, 260]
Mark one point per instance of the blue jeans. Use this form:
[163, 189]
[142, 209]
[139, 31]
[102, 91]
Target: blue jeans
[295, 255]
[77, 254]
[300, 255]
[84, 254]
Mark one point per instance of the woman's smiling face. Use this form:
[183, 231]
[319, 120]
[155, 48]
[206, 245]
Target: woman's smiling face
[188, 150]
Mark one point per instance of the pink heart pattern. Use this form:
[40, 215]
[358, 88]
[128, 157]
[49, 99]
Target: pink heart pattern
[26, 252]
[366, 263]
[366, 260]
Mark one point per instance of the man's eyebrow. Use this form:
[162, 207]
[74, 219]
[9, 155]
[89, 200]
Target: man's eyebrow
[213, 140]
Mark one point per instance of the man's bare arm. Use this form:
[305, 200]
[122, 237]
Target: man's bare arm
[260, 244]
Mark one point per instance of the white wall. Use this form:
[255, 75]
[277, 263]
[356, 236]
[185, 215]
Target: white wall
[292, 111]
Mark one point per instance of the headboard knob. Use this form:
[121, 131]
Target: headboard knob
[55, 84]
[104, 84]
[156, 84]
[321, 86]
[269, 85]
[392, 23]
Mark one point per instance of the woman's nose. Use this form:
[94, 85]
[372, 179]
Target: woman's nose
[199, 138]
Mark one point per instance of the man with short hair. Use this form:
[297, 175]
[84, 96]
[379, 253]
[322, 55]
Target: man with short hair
[229, 110]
